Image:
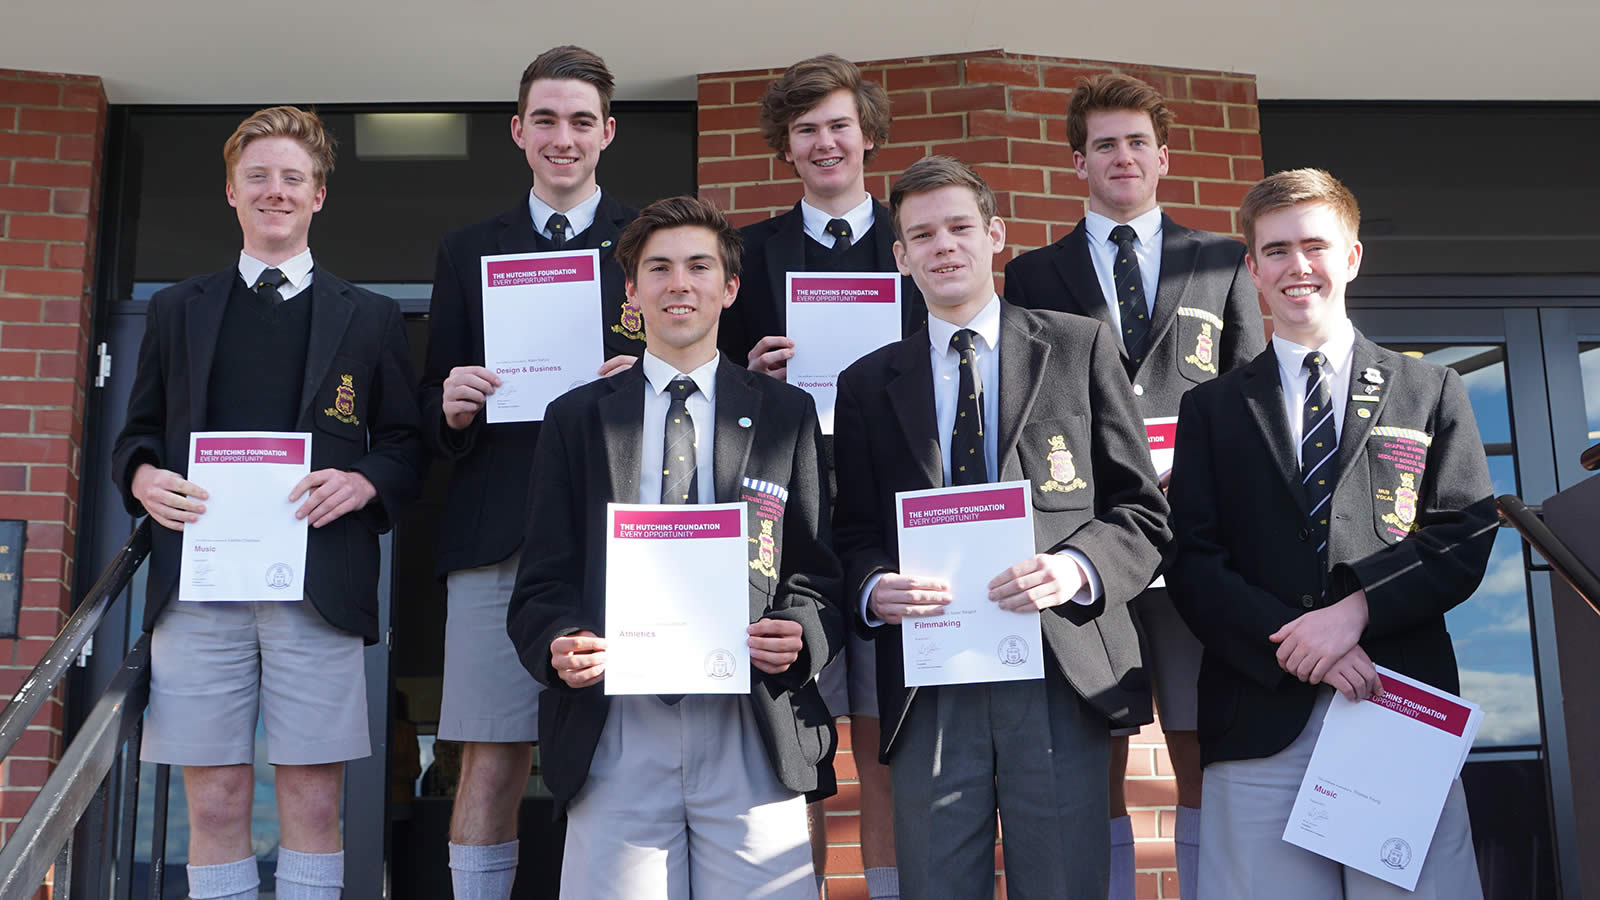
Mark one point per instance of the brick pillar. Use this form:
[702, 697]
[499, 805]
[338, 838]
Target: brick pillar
[51, 143]
[1005, 113]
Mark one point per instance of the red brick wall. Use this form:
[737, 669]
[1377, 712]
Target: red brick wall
[1005, 113]
[51, 140]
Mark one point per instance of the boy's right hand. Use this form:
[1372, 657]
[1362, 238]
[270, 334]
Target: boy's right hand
[465, 392]
[167, 497]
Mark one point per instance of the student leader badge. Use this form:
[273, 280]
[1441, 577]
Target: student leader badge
[1063, 474]
[344, 402]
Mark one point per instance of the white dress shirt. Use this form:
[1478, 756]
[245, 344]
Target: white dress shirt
[816, 221]
[1339, 351]
[1103, 254]
[580, 217]
[701, 405]
[946, 387]
[297, 269]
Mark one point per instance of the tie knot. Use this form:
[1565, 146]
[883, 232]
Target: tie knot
[557, 225]
[1315, 361]
[1123, 235]
[682, 386]
[271, 278]
[964, 340]
[839, 228]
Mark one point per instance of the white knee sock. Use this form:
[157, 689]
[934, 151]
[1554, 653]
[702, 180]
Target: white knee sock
[1121, 859]
[309, 876]
[237, 880]
[1187, 844]
[483, 871]
[883, 883]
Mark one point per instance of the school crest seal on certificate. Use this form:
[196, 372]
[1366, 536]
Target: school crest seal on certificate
[1013, 650]
[279, 576]
[719, 665]
[1396, 853]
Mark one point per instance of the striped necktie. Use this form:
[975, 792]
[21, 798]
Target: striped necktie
[1320, 439]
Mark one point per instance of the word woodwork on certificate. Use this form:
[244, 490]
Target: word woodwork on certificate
[677, 599]
[966, 536]
[247, 545]
[541, 329]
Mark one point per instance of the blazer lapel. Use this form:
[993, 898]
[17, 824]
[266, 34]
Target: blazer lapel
[786, 252]
[204, 327]
[1022, 361]
[910, 391]
[1353, 433]
[738, 415]
[1083, 295]
[516, 230]
[1179, 253]
[331, 311]
[1263, 396]
[609, 220]
[622, 424]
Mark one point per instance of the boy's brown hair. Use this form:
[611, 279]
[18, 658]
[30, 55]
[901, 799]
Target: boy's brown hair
[803, 85]
[569, 63]
[1291, 188]
[1114, 91]
[301, 126]
[679, 212]
[933, 172]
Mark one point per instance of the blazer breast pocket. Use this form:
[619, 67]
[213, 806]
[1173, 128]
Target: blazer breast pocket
[1398, 458]
[1055, 458]
[340, 405]
[1199, 343]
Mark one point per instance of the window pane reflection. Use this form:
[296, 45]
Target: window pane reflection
[1589, 364]
[1494, 650]
[1483, 369]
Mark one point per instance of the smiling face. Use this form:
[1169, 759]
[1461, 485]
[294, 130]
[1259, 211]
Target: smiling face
[1302, 259]
[274, 191]
[1122, 163]
[948, 249]
[828, 150]
[562, 132]
[682, 289]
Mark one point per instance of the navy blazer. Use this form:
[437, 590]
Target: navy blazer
[356, 335]
[486, 506]
[1413, 524]
[589, 456]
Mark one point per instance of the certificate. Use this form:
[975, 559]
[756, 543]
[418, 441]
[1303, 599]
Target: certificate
[247, 545]
[834, 320]
[677, 599]
[966, 536]
[1162, 435]
[1377, 780]
[541, 329]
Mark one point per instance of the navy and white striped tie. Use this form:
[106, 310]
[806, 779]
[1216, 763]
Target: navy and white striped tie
[1320, 438]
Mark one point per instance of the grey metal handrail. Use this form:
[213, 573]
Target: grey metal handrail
[42, 681]
[1559, 555]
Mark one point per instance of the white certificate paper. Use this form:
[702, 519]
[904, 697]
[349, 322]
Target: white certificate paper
[677, 599]
[541, 329]
[1162, 435]
[247, 545]
[1377, 780]
[835, 319]
[967, 536]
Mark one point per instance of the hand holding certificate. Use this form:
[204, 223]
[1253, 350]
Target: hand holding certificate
[834, 320]
[248, 545]
[677, 600]
[1378, 778]
[541, 328]
[965, 536]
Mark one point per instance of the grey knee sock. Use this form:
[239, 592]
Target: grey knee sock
[883, 883]
[483, 871]
[1187, 845]
[309, 876]
[237, 880]
[1122, 862]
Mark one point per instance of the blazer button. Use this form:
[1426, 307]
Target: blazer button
[1138, 390]
[1305, 534]
[1307, 601]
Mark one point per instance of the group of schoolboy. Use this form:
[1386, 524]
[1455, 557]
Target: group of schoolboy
[1292, 567]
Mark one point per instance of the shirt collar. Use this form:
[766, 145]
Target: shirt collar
[660, 373]
[1337, 349]
[1146, 226]
[296, 268]
[816, 221]
[580, 217]
[986, 323]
